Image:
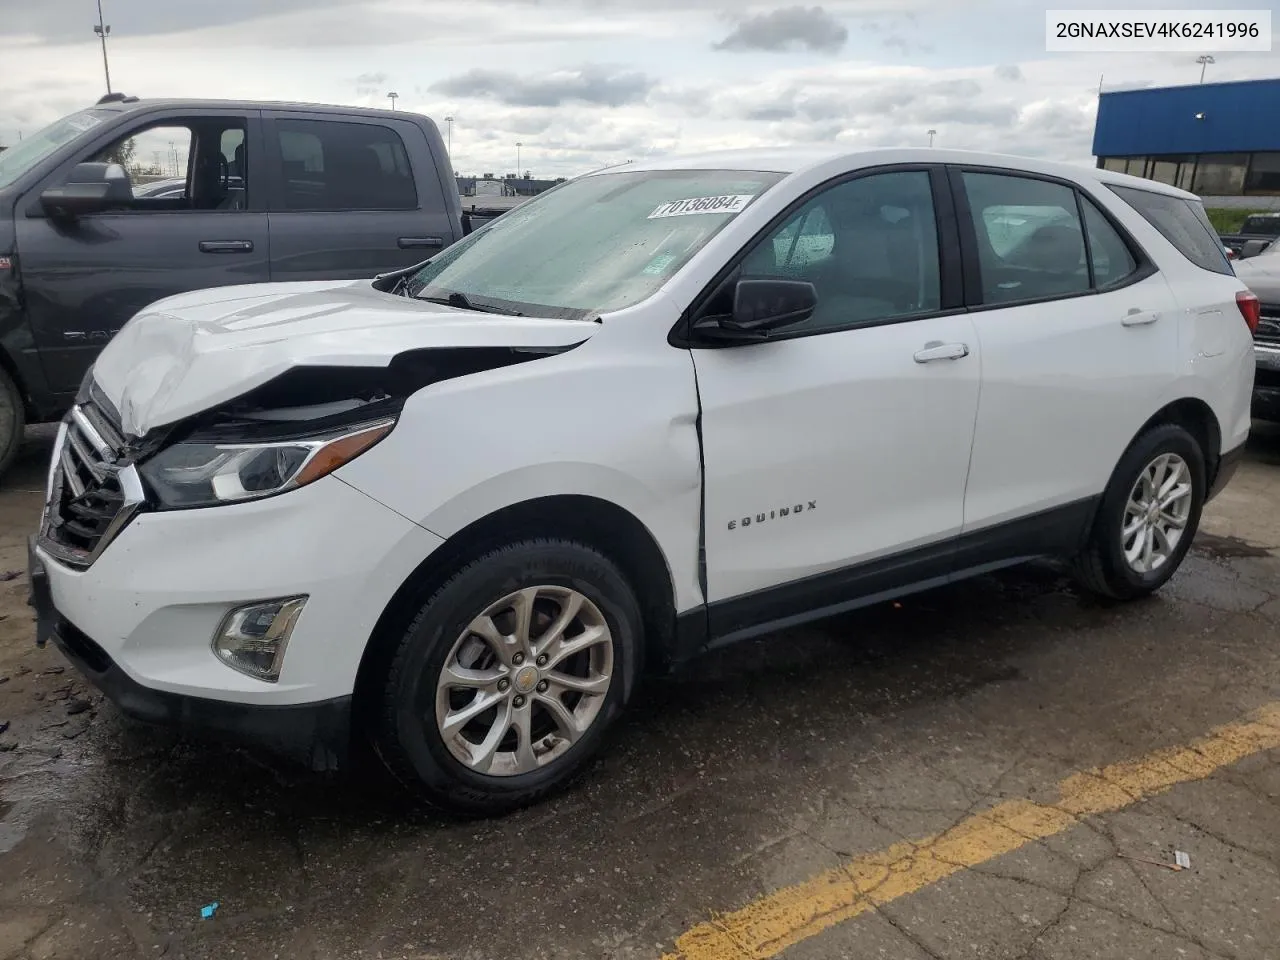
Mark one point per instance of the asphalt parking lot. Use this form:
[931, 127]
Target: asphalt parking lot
[1000, 769]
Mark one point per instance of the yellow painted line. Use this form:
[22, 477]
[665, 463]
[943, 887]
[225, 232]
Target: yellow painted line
[775, 922]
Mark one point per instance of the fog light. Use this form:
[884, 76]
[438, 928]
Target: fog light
[252, 639]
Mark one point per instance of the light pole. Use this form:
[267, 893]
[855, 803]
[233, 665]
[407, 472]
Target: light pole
[518, 146]
[932, 134]
[449, 126]
[102, 30]
[393, 97]
[1204, 60]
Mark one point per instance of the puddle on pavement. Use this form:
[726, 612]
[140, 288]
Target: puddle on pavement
[1227, 548]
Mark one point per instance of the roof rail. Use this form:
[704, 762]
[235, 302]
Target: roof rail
[116, 98]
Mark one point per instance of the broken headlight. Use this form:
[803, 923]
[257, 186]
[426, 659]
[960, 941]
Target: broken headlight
[205, 474]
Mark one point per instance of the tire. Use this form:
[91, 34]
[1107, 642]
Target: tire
[1102, 567]
[448, 770]
[13, 422]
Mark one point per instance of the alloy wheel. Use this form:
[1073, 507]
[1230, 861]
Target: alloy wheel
[524, 681]
[1156, 513]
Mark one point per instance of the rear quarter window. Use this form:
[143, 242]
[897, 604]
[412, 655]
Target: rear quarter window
[1183, 223]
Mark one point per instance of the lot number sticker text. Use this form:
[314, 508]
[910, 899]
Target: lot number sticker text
[684, 208]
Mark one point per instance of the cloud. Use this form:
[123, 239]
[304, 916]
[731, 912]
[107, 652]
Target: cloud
[1008, 71]
[370, 84]
[592, 84]
[788, 28]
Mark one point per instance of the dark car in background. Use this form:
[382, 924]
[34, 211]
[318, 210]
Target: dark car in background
[1257, 234]
[266, 192]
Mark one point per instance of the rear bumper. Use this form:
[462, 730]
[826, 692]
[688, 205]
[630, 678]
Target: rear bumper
[1228, 464]
[316, 734]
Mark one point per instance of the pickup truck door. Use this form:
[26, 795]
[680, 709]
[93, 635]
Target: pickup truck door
[83, 279]
[836, 451]
[353, 196]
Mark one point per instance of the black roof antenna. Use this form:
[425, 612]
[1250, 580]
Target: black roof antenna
[116, 98]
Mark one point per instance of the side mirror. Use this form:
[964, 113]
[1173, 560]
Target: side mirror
[1251, 248]
[760, 306]
[91, 188]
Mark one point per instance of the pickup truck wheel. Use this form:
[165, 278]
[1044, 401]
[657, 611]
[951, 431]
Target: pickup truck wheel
[13, 422]
[1148, 516]
[507, 680]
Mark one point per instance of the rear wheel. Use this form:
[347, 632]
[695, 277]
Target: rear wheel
[13, 421]
[508, 679]
[1148, 516]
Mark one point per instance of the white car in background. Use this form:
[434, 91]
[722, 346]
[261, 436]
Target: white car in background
[455, 512]
[1262, 275]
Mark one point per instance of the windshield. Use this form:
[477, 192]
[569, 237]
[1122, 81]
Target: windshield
[591, 245]
[21, 157]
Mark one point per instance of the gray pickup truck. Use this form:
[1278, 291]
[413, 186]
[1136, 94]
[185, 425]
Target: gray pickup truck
[257, 192]
[1257, 234]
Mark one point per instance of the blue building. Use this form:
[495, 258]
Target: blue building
[1215, 139]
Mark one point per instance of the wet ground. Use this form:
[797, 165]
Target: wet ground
[830, 748]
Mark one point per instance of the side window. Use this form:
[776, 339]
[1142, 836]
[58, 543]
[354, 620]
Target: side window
[1183, 223]
[869, 246]
[1112, 259]
[183, 166]
[1030, 240]
[333, 165]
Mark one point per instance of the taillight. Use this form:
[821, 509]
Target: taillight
[1250, 308]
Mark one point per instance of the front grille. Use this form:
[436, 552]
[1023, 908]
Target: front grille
[1268, 326]
[88, 498]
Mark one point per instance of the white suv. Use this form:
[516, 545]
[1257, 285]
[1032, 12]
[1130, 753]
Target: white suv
[455, 512]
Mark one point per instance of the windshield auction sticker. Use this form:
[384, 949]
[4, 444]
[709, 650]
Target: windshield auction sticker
[685, 208]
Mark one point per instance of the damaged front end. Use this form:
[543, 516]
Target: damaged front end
[292, 430]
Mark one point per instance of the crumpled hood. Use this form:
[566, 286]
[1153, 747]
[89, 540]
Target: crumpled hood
[188, 353]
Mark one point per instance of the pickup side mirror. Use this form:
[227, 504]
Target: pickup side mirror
[1251, 248]
[91, 188]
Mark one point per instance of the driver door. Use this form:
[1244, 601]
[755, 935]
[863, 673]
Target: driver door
[836, 452]
[85, 278]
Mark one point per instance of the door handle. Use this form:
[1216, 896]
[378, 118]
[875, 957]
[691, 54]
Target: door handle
[414, 243]
[937, 350]
[226, 246]
[1139, 318]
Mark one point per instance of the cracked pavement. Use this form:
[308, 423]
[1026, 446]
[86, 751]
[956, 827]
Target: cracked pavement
[756, 769]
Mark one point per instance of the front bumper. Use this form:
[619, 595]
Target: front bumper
[1266, 382]
[315, 734]
[140, 620]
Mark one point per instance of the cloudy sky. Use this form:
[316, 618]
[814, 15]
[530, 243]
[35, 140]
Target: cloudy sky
[582, 83]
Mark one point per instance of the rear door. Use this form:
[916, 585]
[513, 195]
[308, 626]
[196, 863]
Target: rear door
[84, 279]
[351, 197]
[1079, 336]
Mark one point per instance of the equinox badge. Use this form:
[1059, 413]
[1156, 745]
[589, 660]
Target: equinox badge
[781, 512]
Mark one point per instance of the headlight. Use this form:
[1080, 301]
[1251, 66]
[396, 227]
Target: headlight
[196, 474]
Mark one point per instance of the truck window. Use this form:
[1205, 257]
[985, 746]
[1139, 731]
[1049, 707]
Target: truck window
[335, 165]
[1261, 226]
[25, 154]
[191, 165]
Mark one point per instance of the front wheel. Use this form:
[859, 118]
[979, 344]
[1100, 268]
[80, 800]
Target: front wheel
[508, 679]
[12, 422]
[1148, 516]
